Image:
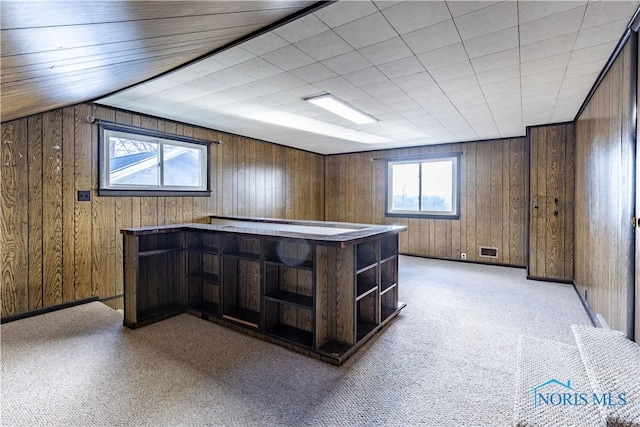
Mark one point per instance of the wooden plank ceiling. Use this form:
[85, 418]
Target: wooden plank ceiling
[55, 54]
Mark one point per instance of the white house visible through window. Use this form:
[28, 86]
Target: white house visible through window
[146, 162]
[424, 187]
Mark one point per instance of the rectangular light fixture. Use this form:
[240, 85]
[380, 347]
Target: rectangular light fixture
[341, 108]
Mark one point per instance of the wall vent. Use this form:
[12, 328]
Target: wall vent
[488, 252]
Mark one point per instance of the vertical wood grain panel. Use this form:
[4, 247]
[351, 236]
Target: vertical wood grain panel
[34, 149]
[68, 202]
[83, 221]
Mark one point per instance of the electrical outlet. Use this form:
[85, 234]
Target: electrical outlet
[464, 255]
[84, 196]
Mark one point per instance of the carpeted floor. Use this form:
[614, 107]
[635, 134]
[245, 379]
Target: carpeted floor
[448, 360]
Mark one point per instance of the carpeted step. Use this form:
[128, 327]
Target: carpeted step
[552, 386]
[612, 363]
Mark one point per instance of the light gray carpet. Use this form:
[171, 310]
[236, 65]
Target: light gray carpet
[449, 359]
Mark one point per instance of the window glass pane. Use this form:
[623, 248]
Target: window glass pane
[133, 162]
[182, 166]
[405, 186]
[437, 186]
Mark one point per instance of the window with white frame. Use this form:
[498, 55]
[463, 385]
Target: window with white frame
[150, 162]
[425, 187]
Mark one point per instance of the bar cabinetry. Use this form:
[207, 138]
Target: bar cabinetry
[322, 295]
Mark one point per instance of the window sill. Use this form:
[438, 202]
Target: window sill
[421, 216]
[152, 193]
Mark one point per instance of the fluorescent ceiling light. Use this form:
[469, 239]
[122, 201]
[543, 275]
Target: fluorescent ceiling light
[341, 108]
[315, 126]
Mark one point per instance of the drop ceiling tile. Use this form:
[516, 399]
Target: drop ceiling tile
[543, 65]
[323, 46]
[392, 96]
[404, 106]
[347, 63]
[495, 61]
[401, 67]
[453, 71]
[207, 66]
[302, 28]
[492, 43]
[366, 31]
[423, 91]
[572, 101]
[334, 84]
[288, 58]
[542, 78]
[501, 74]
[587, 68]
[205, 84]
[588, 54]
[265, 43]
[488, 20]
[340, 13]
[382, 87]
[443, 56]
[459, 8]
[365, 77]
[534, 10]
[296, 95]
[549, 47]
[505, 106]
[313, 73]
[603, 12]
[601, 34]
[259, 88]
[460, 83]
[433, 37]
[551, 26]
[502, 86]
[413, 15]
[233, 56]
[414, 80]
[386, 51]
[231, 77]
[284, 81]
[583, 82]
[545, 90]
[351, 95]
[471, 95]
[257, 68]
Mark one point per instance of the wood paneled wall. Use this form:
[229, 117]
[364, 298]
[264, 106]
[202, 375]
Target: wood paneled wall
[604, 138]
[54, 249]
[492, 200]
[551, 203]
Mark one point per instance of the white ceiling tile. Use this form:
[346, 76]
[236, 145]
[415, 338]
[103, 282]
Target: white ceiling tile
[288, 58]
[549, 47]
[365, 77]
[413, 15]
[302, 28]
[414, 80]
[488, 20]
[443, 56]
[265, 43]
[231, 77]
[353, 94]
[582, 82]
[205, 66]
[501, 74]
[512, 97]
[533, 10]
[453, 71]
[386, 51]
[433, 37]
[494, 61]
[587, 68]
[610, 32]
[544, 90]
[259, 88]
[423, 91]
[341, 12]
[347, 63]
[492, 43]
[233, 56]
[573, 101]
[366, 31]
[502, 85]
[459, 7]
[313, 72]
[257, 68]
[470, 95]
[323, 46]
[465, 82]
[284, 81]
[588, 54]
[401, 67]
[405, 106]
[545, 64]
[334, 84]
[390, 97]
[603, 12]
[551, 26]
[381, 87]
[542, 78]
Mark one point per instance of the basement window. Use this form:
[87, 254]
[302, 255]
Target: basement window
[427, 187]
[140, 162]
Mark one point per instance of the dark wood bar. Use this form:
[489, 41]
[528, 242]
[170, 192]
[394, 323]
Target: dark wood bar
[320, 288]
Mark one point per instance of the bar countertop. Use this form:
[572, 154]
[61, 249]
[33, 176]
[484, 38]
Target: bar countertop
[323, 232]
